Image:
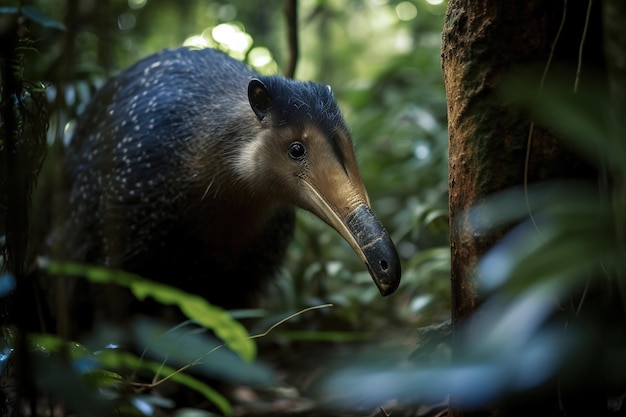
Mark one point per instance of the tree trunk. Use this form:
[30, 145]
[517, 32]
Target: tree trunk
[489, 145]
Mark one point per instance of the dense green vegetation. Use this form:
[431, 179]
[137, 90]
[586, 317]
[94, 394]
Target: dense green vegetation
[381, 59]
[547, 316]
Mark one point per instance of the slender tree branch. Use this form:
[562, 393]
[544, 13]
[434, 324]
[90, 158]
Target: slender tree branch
[291, 14]
[582, 44]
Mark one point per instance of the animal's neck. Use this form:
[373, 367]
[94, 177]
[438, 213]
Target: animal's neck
[227, 214]
[230, 230]
[226, 210]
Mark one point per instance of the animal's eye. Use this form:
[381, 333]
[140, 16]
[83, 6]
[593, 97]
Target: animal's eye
[297, 150]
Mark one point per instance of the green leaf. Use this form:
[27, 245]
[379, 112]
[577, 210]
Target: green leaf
[102, 378]
[49, 343]
[583, 119]
[233, 333]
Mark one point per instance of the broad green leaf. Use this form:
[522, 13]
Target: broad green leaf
[233, 333]
[102, 378]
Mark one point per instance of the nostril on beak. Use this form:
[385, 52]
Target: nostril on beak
[384, 265]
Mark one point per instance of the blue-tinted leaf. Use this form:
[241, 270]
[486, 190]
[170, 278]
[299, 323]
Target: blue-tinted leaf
[186, 345]
[8, 10]
[7, 344]
[7, 284]
[41, 18]
[59, 378]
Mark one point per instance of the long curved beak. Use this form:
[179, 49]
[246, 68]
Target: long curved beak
[367, 236]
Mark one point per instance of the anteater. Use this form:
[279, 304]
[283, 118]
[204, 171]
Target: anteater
[186, 168]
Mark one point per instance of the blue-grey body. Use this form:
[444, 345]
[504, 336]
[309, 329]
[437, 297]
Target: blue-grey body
[186, 168]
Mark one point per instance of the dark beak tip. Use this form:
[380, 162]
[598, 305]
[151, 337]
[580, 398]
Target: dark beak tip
[386, 291]
[390, 289]
[388, 285]
[388, 279]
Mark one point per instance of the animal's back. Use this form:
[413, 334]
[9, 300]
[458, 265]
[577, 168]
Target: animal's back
[132, 190]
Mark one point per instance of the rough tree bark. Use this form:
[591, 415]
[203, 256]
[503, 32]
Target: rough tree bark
[483, 40]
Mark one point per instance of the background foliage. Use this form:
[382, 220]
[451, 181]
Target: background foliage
[381, 59]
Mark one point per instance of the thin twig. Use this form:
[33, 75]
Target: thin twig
[580, 47]
[306, 310]
[291, 14]
[532, 123]
[156, 382]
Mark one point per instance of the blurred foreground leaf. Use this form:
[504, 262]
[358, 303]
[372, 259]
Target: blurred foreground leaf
[119, 360]
[535, 326]
[554, 285]
[195, 307]
[573, 232]
[185, 345]
[78, 380]
[70, 372]
[587, 121]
